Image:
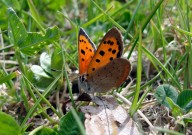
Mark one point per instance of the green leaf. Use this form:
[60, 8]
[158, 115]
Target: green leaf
[29, 43]
[39, 71]
[182, 31]
[68, 125]
[36, 41]
[45, 62]
[34, 12]
[4, 79]
[185, 100]
[3, 16]
[43, 131]
[164, 91]
[39, 77]
[16, 30]
[8, 126]
[57, 62]
[176, 110]
[12, 3]
[57, 4]
[187, 120]
[7, 80]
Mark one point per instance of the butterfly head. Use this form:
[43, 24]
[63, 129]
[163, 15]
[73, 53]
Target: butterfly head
[84, 85]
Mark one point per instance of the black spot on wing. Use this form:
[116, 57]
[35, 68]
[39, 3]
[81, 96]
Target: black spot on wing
[82, 51]
[114, 51]
[97, 60]
[109, 41]
[102, 53]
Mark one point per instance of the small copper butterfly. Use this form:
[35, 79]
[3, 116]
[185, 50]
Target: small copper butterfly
[102, 69]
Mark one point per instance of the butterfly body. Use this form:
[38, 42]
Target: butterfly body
[102, 69]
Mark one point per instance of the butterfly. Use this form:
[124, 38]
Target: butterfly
[101, 69]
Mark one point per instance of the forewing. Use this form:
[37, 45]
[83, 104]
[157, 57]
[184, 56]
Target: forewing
[86, 51]
[111, 47]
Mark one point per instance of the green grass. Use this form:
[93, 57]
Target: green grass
[158, 32]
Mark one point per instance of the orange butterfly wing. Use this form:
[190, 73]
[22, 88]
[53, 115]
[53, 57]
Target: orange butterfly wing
[111, 47]
[86, 50]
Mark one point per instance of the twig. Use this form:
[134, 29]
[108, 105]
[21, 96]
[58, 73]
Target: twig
[138, 111]
[9, 62]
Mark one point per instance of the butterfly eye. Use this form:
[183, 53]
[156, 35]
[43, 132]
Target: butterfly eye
[82, 78]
